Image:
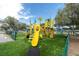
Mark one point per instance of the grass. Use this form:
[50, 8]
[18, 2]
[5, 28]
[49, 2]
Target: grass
[52, 47]
[15, 48]
[48, 47]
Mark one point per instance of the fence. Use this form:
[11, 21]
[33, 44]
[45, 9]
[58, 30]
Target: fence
[12, 34]
[67, 45]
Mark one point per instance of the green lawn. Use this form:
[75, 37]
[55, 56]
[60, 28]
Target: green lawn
[15, 48]
[21, 45]
[52, 47]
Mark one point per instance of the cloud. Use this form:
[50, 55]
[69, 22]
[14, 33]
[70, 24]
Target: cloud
[10, 9]
[15, 9]
[27, 17]
[25, 14]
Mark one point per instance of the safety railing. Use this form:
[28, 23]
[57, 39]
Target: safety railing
[66, 45]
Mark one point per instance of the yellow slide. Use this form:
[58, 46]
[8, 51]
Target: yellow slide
[36, 35]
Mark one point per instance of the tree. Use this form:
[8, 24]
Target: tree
[12, 25]
[12, 22]
[59, 17]
[70, 15]
[22, 26]
[5, 26]
[73, 13]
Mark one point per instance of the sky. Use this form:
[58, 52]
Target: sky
[44, 10]
[26, 11]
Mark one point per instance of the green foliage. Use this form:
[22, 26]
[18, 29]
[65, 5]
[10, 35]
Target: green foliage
[12, 24]
[69, 15]
[21, 26]
[5, 27]
[59, 17]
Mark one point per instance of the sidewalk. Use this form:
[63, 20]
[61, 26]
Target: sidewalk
[5, 38]
[73, 48]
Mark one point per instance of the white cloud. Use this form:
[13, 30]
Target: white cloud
[10, 9]
[28, 17]
[25, 14]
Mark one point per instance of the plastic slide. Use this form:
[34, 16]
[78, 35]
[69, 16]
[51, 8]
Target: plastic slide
[36, 35]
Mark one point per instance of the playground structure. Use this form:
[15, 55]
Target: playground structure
[36, 35]
[46, 31]
[42, 31]
[39, 32]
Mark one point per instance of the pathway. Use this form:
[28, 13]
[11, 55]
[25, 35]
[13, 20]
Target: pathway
[4, 37]
[73, 47]
[34, 51]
